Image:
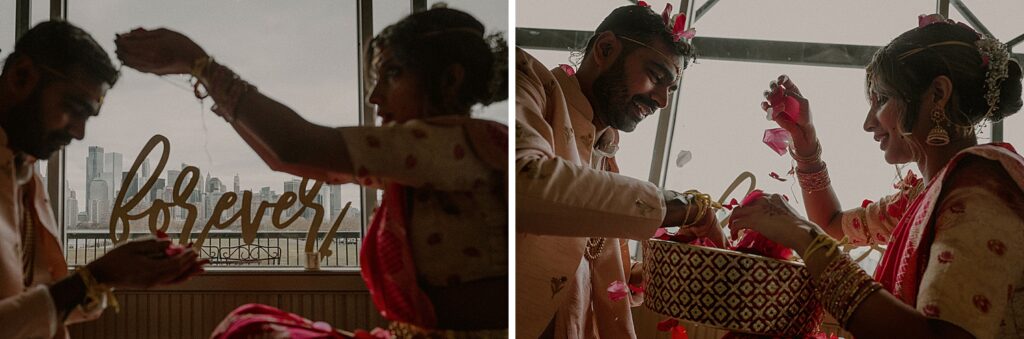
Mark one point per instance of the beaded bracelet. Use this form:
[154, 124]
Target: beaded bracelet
[226, 88]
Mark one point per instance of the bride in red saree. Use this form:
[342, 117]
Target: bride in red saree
[954, 236]
[435, 255]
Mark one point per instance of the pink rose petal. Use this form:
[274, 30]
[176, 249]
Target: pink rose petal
[636, 289]
[667, 324]
[754, 195]
[776, 176]
[380, 333]
[617, 291]
[777, 139]
[568, 70]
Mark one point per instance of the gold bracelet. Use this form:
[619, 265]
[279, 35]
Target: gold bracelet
[815, 181]
[96, 292]
[809, 159]
[699, 200]
[826, 242]
[842, 287]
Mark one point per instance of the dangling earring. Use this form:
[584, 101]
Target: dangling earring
[938, 135]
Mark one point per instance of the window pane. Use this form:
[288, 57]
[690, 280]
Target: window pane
[7, 16]
[870, 22]
[40, 11]
[1013, 130]
[998, 16]
[721, 123]
[494, 15]
[788, 20]
[302, 55]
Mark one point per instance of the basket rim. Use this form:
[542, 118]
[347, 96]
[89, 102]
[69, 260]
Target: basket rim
[727, 252]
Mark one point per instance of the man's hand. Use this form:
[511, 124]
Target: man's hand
[145, 263]
[706, 228]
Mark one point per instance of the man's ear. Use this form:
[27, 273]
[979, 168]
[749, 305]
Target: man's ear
[606, 49]
[21, 78]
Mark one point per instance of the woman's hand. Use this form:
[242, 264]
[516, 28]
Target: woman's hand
[802, 128]
[771, 216]
[146, 263]
[706, 228]
[160, 51]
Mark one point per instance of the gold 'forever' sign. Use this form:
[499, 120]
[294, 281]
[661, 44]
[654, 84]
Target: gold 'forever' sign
[161, 210]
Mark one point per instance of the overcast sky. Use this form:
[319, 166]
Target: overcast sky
[302, 53]
[720, 120]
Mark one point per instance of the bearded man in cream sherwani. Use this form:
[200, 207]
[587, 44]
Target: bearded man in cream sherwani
[574, 213]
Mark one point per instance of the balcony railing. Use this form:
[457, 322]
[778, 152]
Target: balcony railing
[226, 249]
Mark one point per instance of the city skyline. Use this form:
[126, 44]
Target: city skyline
[103, 186]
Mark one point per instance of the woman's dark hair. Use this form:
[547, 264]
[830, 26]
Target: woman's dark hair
[427, 43]
[906, 67]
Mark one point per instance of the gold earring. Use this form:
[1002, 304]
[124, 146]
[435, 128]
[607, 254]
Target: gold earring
[938, 135]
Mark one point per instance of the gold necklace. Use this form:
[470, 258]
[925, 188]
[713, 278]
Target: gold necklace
[594, 248]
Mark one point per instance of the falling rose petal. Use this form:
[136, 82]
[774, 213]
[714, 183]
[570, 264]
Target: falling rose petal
[754, 195]
[732, 203]
[785, 197]
[568, 70]
[776, 176]
[689, 33]
[666, 14]
[777, 139]
[683, 158]
[782, 103]
[680, 23]
[617, 291]
[667, 324]
[322, 326]
[173, 250]
[380, 333]
[659, 233]
[642, 4]
[865, 203]
[636, 289]
[679, 332]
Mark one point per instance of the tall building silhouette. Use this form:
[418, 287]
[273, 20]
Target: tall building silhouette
[93, 170]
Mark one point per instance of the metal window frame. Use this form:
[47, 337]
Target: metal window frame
[56, 165]
[732, 49]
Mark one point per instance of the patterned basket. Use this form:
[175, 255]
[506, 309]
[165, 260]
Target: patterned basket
[729, 290]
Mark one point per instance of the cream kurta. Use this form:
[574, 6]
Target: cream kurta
[28, 312]
[563, 196]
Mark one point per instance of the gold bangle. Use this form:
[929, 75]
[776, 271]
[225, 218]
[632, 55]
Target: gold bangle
[816, 156]
[826, 242]
[815, 181]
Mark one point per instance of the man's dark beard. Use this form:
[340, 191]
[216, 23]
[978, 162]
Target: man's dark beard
[26, 133]
[612, 100]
